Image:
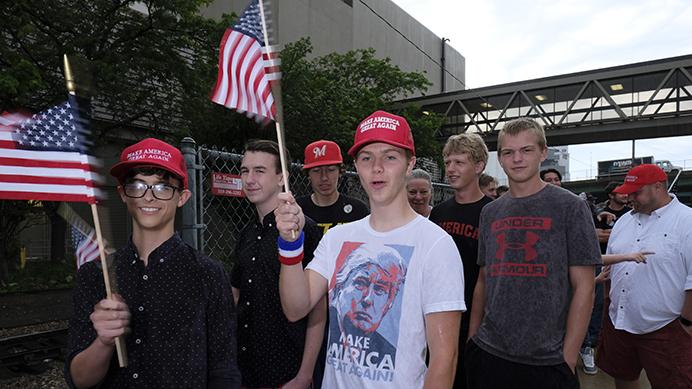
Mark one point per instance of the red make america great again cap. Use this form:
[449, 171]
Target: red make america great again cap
[383, 127]
[639, 176]
[151, 152]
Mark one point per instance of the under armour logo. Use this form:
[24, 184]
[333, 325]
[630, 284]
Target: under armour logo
[527, 247]
[320, 151]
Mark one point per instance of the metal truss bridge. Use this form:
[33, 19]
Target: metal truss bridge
[636, 101]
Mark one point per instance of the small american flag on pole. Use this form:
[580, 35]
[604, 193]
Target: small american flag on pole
[44, 157]
[246, 69]
[86, 247]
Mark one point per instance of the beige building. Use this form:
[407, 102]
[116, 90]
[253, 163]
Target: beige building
[343, 25]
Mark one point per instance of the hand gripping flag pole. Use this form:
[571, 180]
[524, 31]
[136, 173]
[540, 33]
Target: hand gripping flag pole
[119, 341]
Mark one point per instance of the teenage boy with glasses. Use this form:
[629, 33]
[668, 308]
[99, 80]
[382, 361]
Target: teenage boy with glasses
[174, 305]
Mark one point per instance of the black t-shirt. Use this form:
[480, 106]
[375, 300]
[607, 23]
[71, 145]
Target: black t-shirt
[603, 224]
[344, 210]
[461, 222]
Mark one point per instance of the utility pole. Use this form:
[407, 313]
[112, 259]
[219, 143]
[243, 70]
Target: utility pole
[442, 66]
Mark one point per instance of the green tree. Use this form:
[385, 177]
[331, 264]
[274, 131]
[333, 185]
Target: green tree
[326, 97]
[143, 63]
[152, 63]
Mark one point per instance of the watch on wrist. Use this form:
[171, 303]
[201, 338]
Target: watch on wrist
[685, 322]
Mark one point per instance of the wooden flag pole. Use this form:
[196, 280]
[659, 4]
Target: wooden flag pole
[276, 93]
[119, 341]
[278, 103]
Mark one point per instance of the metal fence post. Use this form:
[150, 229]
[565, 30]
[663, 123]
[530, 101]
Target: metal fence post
[189, 212]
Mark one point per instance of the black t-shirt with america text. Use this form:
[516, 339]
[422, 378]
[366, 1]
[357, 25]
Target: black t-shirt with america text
[461, 222]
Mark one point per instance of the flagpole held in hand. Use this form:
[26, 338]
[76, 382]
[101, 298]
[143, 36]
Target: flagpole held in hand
[119, 341]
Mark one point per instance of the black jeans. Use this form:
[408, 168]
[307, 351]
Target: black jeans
[486, 371]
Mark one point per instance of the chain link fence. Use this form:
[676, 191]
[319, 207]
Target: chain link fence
[212, 223]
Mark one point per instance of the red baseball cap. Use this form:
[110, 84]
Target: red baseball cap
[151, 152]
[639, 176]
[322, 152]
[384, 127]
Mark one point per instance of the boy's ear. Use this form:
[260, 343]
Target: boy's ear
[185, 195]
[411, 164]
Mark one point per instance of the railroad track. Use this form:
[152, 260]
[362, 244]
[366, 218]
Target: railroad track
[27, 353]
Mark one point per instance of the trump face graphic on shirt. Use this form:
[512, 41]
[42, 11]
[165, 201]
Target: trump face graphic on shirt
[366, 286]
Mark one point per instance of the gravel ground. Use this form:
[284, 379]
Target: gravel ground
[51, 378]
[23, 330]
[47, 376]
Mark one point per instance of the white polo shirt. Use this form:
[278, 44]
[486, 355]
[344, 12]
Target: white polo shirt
[647, 296]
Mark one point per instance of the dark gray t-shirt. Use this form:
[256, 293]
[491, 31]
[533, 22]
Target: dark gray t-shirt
[527, 246]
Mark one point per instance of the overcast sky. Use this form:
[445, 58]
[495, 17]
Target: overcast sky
[506, 41]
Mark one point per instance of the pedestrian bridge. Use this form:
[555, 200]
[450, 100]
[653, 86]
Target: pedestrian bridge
[637, 101]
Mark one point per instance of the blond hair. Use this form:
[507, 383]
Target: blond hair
[514, 127]
[468, 143]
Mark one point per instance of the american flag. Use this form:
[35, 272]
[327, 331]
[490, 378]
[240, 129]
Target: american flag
[245, 69]
[86, 247]
[44, 157]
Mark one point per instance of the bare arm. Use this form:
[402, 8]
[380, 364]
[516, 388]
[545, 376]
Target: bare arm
[442, 335]
[299, 290]
[639, 257]
[111, 318]
[478, 306]
[313, 342]
[582, 280]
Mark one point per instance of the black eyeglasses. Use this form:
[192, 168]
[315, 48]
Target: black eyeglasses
[138, 189]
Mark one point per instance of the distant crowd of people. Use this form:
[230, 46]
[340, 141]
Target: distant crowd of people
[495, 287]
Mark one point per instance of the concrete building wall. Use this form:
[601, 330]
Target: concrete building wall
[338, 26]
[558, 158]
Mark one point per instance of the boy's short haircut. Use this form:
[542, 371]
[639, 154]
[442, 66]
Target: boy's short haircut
[485, 179]
[467, 143]
[514, 127]
[151, 171]
[269, 147]
[550, 170]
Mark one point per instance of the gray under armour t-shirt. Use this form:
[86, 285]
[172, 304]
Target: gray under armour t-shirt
[527, 246]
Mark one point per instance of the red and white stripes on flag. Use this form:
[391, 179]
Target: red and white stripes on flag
[44, 158]
[83, 236]
[86, 247]
[246, 70]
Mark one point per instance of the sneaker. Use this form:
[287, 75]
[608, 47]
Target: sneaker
[587, 358]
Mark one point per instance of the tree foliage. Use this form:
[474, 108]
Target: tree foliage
[326, 97]
[152, 60]
[153, 63]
